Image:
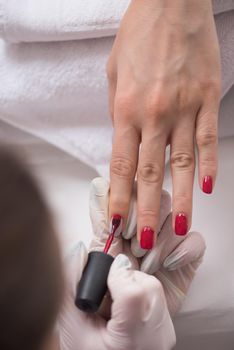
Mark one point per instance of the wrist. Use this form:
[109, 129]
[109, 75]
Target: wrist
[195, 7]
[191, 15]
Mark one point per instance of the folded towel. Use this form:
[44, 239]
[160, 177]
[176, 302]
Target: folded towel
[58, 91]
[57, 20]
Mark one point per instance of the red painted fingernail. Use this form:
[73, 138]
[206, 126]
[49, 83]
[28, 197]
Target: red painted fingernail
[207, 186]
[147, 238]
[116, 225]
[181, 226]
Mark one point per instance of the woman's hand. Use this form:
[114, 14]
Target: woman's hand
[164, 88]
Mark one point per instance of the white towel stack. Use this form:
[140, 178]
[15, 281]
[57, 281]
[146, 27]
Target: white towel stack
[54, 87]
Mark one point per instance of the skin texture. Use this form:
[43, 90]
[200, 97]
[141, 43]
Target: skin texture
[164, 89]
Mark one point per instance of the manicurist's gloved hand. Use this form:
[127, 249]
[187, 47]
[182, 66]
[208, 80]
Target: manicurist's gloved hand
[134, 314]
[173, 260]
[139, 318]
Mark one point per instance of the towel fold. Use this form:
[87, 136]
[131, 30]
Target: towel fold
[57, 91]
[60, 20]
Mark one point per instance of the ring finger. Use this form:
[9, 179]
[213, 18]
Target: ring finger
[182, 168]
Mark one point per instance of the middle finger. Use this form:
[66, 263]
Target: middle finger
[150, 177]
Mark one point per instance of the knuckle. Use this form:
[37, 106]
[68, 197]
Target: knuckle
[150, 173]
[182, 160]
[156, 105]
[145, 214]
[211, 86]
[206, 138]
[188, 99]
[122, 167]
[125, 104]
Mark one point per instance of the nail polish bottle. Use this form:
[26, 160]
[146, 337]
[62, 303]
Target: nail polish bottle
[93, 284]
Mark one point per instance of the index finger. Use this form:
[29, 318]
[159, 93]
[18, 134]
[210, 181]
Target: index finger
[122, 170]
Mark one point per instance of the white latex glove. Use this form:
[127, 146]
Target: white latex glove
[173, 260]
[139, 316]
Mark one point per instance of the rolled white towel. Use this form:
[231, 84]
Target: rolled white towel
[59, 20]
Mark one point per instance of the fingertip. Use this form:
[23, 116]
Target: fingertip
[147, 238]
[181, 224]
[207, 184]
[116, 225]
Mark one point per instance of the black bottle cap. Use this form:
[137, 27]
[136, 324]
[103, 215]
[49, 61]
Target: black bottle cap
[93, 284]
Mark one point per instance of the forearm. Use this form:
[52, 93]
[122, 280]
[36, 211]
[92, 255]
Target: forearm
[176, 3]
[179, 8]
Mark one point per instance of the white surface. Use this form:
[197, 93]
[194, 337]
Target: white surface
[207, 319]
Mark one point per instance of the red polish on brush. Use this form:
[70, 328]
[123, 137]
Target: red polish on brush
[115, 231]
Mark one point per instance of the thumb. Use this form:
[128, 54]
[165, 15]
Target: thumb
[125, 307]
[135, 300]
[126, 294]
[119, 271]
[139, 311]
